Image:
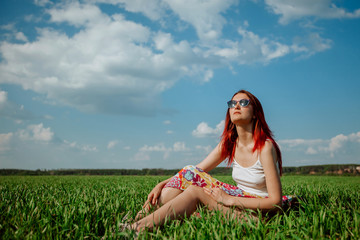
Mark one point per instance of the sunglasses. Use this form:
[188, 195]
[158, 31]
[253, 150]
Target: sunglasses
[242, 102]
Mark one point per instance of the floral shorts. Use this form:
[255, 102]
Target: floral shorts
[191, 175]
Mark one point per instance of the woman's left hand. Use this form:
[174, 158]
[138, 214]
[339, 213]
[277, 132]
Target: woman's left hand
[218, 195]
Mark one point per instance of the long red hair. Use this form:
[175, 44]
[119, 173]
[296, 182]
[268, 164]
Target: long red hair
[261, 132]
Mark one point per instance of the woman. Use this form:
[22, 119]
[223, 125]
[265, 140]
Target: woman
[248, 144]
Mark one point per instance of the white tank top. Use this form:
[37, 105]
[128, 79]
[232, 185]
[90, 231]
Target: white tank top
[250, 179]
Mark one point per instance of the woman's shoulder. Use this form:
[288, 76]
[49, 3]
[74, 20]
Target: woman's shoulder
[268, 146]
[268, 151]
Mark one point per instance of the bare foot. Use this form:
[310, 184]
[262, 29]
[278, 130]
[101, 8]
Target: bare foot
[142, 213]
[146, 210]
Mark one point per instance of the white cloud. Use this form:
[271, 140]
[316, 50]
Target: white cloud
[319, 44]
[112, 65]
[108, 66]
[49, 117]
[5, 141]
[341, 141]
[160, 148]
[298, 142]
[89, 148]
[70, 144]
[326, 147]
[208, 75]
[80, 147]
[12, 110]
[337, 142]
[3, 98]
[204, 130]
[56, 153]
[25, 149]
[112, 144]
[33, 18]
[251, 48]
[37, 133]
[311, 150]
[291, 10]
[141, 156]
[8, 27]
[206, 149]
[156, 148]
[179, 147]
[40, 133]
[205, 16]
[12, 34]
[42, 2]
[78, 14]
[167, 122]
[21, 36]
[15, 112]
[153, 9]
[310, 44]
[266, 49]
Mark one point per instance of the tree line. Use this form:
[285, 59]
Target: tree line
[334, 169]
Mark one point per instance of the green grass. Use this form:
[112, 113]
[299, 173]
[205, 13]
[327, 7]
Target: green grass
[91, 207]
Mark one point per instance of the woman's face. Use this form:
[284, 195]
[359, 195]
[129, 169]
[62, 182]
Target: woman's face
[239, 114]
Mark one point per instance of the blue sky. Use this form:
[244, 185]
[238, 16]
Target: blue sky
[144, 84]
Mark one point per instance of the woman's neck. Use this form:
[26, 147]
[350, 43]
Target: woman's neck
[245, 135]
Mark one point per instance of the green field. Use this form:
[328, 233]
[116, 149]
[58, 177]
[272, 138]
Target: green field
[90, 207]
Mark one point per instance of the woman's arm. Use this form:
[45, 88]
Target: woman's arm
[212, 160]
[155, 193]
[268, 160]
[209, 163]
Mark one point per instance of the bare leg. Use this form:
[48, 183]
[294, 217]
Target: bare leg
[183, 204]
[166, 195]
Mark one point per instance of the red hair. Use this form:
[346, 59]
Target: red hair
[261, 132]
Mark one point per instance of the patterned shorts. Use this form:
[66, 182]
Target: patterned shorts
[191, 175]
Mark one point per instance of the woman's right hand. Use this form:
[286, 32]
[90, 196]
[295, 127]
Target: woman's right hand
[153, 196]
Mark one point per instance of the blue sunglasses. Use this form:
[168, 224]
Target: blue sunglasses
[242, 102]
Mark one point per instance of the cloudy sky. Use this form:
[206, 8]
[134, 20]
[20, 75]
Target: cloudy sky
[144, 83]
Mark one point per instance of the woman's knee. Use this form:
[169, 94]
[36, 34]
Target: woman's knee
[194, 191]
[199, 195]
[168, 194]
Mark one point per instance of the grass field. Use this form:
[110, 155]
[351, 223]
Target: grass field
[90, 207]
